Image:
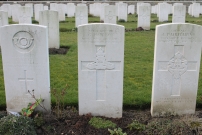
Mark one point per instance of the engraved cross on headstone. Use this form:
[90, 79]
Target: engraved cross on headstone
[25, 79]
[101, 65]
[177, 66]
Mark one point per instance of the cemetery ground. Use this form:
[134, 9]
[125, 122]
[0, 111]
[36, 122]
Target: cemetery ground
[138, 70]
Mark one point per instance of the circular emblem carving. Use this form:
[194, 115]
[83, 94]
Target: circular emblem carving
[23, 41]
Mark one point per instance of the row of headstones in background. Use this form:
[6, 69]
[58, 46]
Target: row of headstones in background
[100, 67]
[47, 18]
[178, 10]
[195, 9]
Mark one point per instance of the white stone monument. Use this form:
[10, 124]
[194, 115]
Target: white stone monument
[177, 57]
[163, 12]
[49, 18]
[179, 14]
[100, 69]
[25, 65]
[122, 11]
[54, 6]
[70, 9]
[61, 12]
[110, 14]
[3, 18]
[7, 8]
[102, 11]
[15, 8]
[131, 9]
[30, 5]
[81, 4]
[81, 15]
[45, 7]
[37, 9]
[24, 15]
[195, 9]
[144, 17]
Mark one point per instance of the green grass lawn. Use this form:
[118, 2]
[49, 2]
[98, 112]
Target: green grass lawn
[138, 64]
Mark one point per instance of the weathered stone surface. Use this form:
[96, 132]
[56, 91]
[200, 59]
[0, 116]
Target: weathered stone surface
[81, 15]
[110, 14]
[179, 14]
[24, 15]
[25, 65]
[122, 11]
[3, 18]
[144, 17]
[37, 9]
[176, 69]
[100, 68]
[49, 18]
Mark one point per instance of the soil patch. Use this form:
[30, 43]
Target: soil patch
[70, 123]
[61, 50]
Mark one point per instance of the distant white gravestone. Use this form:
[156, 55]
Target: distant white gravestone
[30, 5]
[81, 15]
[163, 12]
[37, 8]
[179, 14]
[3, 18]
[176, 69]
[144, 16]
[122, 11]
[50, 19]
[70, 9]
[7, 8]
[131, 9]
[25, 15]
[100, 68]
[25, 65]
[110, 14]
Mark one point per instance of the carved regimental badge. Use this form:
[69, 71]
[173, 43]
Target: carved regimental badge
[23, 41]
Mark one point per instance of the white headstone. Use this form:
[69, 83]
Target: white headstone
[97, 9]
[110, 14]
[49, 18]
[131, 9]
[54, 6]
[7, 8]
[45, 7]
[3, 18]
[24, 15]
[176, 69]
[32, 10]
[81, 15]
[25, 65]
[144, 17]
[102, 11]
[61, 12]
[70, 9]
[100, 69]
[81, 4]
[179, 14]
[190, 9]
[122, 11]
[163, 12]
[195, 9]
[201, 9]
[37, 9]
[91, 9]
[15, 8]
